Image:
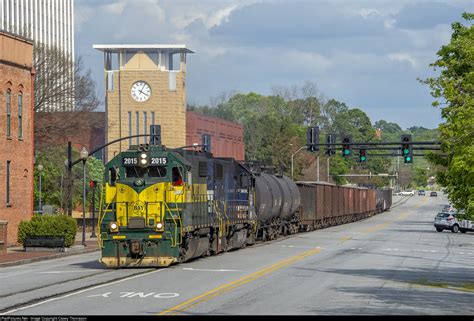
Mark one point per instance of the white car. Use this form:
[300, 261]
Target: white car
[446, 221]
[407, 193]
[466, 225]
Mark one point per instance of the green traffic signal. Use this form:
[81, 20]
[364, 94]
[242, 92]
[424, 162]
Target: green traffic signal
[406, 151]
[347, 152]
[363, 158]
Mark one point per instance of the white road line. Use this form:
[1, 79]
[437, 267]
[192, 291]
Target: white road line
[81, 291]
[210, 270]
[58, 272]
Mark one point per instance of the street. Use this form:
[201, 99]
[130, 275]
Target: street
[392, 263]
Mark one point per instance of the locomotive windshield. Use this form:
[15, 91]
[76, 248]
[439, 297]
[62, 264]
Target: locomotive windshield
[140, 172]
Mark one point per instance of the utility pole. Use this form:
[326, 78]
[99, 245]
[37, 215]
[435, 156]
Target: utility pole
[328, 169]
[317, 168]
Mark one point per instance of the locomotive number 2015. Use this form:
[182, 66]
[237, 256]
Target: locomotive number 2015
[158, 161]
[130, 161]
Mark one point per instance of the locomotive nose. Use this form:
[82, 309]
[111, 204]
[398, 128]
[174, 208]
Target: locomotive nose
[136, 248]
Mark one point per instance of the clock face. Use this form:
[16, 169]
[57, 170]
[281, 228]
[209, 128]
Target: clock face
[141, 91]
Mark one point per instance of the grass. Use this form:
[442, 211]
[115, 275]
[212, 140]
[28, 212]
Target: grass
[466, 287]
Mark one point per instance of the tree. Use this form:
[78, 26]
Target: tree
[64, 93]
[329, 112]
[337, 166]
[453, 90]
[54, 177]
[354, 122]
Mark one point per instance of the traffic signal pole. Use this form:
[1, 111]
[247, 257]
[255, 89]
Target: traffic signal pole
[93, 184]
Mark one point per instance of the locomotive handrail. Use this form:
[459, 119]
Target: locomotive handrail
[100, 239]
[175, 227]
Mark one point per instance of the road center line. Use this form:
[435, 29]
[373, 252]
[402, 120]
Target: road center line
[237, 283]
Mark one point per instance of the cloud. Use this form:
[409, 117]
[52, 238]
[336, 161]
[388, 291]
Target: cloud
[366, 53]
[283, 22]
[423, 15]
[403, 57]
[367, 13]
[116, 7]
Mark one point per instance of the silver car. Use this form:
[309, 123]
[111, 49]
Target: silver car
[447, 208]
[446, 221]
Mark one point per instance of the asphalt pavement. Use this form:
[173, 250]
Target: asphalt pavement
[392, 263]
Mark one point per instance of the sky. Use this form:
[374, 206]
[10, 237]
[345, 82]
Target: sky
[367, 54]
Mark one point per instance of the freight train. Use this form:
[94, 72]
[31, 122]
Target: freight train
[162, 206]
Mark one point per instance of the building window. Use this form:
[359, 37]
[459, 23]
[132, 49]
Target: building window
[129, 128]
[145, 131]
[153, 118]
[110, 80]
[137, 116]
[172, 80]
[9, 110]
[8, 184]
[20, 116]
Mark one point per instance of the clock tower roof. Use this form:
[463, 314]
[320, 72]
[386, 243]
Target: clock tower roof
[171, 48]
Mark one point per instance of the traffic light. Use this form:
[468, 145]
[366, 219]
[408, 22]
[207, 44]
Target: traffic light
[330, 139]
[93, 184]
[407, 149]
[312, 139]
[346, 145]
[362, 154]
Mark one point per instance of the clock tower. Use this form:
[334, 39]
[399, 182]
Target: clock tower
[144, 85]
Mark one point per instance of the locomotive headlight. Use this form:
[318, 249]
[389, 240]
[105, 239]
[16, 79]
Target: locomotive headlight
[159, 226]
[113, 227]
[143, 161]
[143, 156]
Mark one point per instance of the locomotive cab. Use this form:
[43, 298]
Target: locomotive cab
[145, 188]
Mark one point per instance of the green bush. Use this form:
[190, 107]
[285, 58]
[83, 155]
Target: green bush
[49, 225]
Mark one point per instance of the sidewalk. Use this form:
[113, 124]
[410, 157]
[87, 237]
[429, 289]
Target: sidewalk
[17, 255]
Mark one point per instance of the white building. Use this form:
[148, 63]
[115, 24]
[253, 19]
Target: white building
[49, 23]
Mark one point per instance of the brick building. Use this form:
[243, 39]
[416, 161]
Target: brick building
[84, 129]
[16, 132]
[227, 138]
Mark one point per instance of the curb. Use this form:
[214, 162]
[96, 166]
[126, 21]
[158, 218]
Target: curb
[48, 257]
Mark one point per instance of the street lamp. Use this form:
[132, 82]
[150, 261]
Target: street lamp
[40, 169]
[292, 157]
[84, 155]
[93, 185]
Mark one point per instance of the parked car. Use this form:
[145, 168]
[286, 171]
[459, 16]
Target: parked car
[433, 194]
[447, 208]
[421, 192]
[407, 193]
[466, 225]
[446, 221]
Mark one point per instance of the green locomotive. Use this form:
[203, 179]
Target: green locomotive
[162, 206]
